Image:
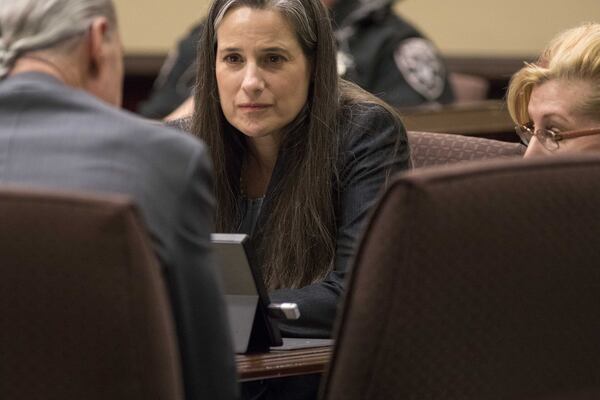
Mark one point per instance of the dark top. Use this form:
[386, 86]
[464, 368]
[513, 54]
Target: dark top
[373, 147]
[54, 136]
[250, 216]
[378, 50]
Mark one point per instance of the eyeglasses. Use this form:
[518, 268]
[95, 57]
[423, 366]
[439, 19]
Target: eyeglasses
[550, 139]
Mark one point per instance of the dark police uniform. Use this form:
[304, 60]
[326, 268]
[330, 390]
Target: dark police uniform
[378, 50]
[176, 78]
[387, 56]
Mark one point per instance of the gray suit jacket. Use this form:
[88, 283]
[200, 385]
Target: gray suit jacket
[54, 136]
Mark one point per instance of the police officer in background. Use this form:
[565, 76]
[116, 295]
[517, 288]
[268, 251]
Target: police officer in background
[378, 50]
[386, 55]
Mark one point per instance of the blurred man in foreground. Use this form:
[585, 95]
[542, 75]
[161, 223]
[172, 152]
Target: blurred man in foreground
[61, 74]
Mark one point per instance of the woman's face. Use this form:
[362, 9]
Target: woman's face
[262, 74]
[553, 106]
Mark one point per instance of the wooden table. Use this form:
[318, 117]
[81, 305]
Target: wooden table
[484, 118]
[281, 363]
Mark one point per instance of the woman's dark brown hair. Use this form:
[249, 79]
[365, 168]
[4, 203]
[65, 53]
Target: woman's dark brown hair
[298, 239]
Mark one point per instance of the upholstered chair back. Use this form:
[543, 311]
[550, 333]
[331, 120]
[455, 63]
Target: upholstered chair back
[83, 307]
[476, 281]
[428, 148]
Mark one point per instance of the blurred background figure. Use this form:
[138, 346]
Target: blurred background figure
[555, 101]
[176, 77]
[377, 49]
[386, 55]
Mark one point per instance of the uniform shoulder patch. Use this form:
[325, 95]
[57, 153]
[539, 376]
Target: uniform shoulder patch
[421, 66]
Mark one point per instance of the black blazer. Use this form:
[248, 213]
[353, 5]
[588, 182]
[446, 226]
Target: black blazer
[374, 145]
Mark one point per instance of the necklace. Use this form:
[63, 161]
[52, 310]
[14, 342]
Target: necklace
[242, 181]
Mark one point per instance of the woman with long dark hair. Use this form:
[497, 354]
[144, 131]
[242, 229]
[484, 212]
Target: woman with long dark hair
[299, 155]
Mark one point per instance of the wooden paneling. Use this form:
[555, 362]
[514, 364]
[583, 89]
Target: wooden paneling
[486, 119]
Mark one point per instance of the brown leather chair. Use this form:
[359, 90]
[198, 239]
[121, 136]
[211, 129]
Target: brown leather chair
[477, 281]
[429, 148]
[83, 308]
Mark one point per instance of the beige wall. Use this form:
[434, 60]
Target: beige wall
[497, 27]
[153, 26]
[459, 27]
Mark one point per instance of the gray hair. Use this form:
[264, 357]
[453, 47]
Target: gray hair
[28, 25]
[293, 10]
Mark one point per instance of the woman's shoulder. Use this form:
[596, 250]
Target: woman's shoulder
[374, 143]
[370, 132]
[364, 110]
[361, 120]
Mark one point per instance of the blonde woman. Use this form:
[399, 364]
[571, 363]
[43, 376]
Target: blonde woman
[555, 101]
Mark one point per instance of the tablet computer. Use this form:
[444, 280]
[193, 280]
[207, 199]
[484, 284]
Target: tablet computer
[251, 314]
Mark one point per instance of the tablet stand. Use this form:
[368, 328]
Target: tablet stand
[253, 330]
